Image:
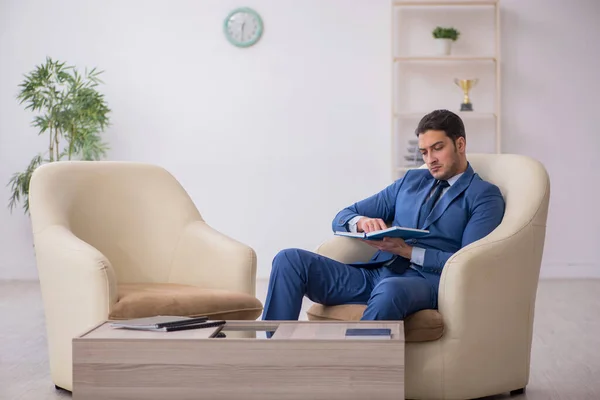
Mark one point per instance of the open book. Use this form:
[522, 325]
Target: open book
[393, 232]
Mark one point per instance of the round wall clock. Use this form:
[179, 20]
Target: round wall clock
[243, 27]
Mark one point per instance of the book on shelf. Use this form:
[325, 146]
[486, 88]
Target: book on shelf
[393, 232]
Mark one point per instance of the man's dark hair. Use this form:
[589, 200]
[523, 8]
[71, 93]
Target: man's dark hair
[442, 120]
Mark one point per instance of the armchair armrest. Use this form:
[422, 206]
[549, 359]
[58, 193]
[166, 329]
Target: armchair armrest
[346, 250]
[78, 286]
[209, 259]
[77, 281]
[487, 297]
[492, 283]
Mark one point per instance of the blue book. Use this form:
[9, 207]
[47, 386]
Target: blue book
[393, 232]
[369, 333]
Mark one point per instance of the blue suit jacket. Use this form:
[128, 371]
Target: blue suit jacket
[469, 210]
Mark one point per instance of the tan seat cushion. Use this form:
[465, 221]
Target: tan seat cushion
[422, 326]
[137, 300]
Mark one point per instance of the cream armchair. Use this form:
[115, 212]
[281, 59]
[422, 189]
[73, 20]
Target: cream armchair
[486, 295]
[118, 240]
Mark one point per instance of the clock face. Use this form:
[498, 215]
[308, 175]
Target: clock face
[243, 27]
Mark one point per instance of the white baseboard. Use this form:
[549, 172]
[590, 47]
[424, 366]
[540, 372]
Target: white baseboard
[552, 270]
[570, 271]
[548, 271]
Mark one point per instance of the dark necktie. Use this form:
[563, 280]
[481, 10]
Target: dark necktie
[429, 203]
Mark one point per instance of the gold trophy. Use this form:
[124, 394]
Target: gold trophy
[466, 85]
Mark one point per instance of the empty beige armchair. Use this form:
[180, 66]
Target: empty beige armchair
[119, 240]
[478, 342]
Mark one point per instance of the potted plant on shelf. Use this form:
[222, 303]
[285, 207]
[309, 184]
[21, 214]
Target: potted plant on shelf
[444, 38]
[73, 114]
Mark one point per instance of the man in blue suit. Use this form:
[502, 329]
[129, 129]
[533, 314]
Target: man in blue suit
[449, 199]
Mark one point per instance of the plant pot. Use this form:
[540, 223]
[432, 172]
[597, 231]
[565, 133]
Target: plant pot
[443, 46]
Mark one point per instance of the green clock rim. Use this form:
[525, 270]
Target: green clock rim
[260, 27]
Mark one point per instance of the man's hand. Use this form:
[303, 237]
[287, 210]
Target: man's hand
[366, 224]
[392, 245]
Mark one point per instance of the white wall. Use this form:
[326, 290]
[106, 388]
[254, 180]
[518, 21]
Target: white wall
[551, 103]
[269, 141]
[263, 138]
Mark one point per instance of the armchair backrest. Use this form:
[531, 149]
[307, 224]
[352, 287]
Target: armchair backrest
[525, 186]
[524, 183]
[131, 212]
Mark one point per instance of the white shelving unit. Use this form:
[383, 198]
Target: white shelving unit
[424, 81]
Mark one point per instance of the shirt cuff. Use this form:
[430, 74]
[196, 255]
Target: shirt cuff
[352, 223]
[417, 256]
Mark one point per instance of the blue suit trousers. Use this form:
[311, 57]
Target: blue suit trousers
[388, 295]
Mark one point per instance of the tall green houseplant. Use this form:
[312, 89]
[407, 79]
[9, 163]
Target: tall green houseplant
[70, 110]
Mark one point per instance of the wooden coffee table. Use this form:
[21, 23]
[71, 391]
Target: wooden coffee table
[302, 360]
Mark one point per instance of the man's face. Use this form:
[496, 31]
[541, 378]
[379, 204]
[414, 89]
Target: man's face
[443, 158]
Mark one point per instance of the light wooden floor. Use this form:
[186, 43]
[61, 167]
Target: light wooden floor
[565, 359]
